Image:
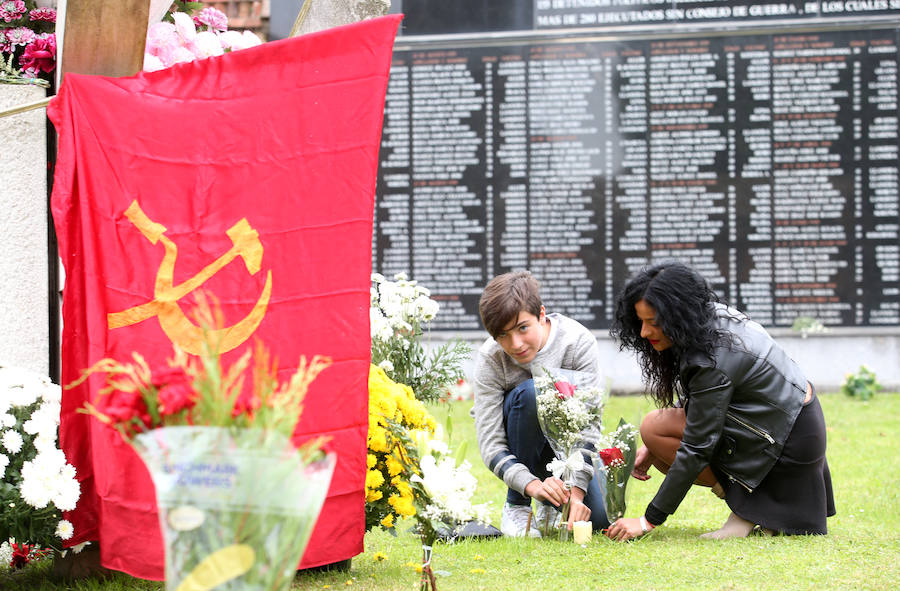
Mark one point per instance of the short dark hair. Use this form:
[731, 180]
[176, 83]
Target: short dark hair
[505, 296]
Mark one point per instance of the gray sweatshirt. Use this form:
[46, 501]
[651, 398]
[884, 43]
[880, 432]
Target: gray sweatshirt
[569, 346]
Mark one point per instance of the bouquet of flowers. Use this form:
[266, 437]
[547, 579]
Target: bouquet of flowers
[443, 493]
[37, 483]
[569, 408]
[616, 461]
[237, 501]
[177, 38]
[398, 314]
[395, 417]
[27, 42]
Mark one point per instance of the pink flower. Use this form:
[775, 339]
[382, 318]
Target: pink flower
[11, 10]
[20, 36]
[43, 14]
[564, 389]
[40, 54]
[213, 18]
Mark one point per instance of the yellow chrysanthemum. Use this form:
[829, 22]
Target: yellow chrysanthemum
[388, 521]
[378, 440]
[402, 505]
[373, 495]
[371, 460]
[374, 479]
[394, 466]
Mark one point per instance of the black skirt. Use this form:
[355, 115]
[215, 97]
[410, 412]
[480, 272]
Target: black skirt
[796, 496]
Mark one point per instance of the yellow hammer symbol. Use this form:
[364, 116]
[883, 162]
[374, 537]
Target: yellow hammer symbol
[164, 305]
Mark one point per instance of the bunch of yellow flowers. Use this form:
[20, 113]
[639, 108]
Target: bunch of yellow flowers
[396, 420]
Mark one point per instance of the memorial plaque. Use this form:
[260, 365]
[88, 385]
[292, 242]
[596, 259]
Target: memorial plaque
[767, 160]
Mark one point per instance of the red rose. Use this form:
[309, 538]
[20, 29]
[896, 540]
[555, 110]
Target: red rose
[610, 455]
[174, 390]
[564, 389]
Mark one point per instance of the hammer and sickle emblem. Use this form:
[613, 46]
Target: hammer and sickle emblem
[164, 305]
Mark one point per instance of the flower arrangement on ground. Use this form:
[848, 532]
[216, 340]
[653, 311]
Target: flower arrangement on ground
[188, 34]
[443, 493]
[400, 311]
[615, 460]
[237, 501]
[395, 419]
[27, 42]
[37, 483]
[569, 408]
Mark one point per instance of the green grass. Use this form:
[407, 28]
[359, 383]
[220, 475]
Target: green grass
[862, 550]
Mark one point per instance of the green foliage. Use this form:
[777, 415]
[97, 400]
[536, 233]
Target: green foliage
[861, 385]
[182, 6]
[859, 552]
[807, 325]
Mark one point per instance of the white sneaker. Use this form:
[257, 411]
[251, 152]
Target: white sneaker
[514, 521]
[548, 517]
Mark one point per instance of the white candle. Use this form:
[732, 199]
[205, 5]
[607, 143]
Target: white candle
[582, 532]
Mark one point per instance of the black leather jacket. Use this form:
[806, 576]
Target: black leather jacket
[740, 408]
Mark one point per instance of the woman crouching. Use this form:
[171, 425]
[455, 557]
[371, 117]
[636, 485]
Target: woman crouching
[746, 421]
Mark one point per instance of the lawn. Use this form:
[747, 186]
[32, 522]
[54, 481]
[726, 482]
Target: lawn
[862, 550]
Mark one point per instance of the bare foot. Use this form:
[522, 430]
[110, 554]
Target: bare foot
[734, 527]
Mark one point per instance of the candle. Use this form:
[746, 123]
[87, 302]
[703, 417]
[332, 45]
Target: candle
[582, 532]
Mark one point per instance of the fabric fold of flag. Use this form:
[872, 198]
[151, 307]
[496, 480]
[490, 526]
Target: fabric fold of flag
[250, 176]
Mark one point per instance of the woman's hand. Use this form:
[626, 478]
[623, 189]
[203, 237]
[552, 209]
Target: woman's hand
[625, 529]
[643, 459]
[552, 490]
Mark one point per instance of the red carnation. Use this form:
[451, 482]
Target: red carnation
[174, 390]
[40, 54]
[565, 389]
[612, 455]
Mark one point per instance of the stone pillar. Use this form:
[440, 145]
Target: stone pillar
[24, 299]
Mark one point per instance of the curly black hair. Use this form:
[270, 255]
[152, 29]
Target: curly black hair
[685, 310]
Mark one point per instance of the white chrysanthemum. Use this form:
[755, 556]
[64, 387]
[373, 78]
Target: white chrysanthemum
[386, 365]
[20, 387]
[52, 393]
[6, 553]
[12, 441]
[64, 529]
[449, 488]
[7, 421]
[4, 462]
[48, 478]
[45, 442]
[44, 421]
[379, 326]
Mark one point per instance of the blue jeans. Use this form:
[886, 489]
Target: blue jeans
[528, 444]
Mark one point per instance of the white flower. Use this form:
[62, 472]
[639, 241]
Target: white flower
[48, 478]
[184, 25]
[207, 44]
[4, 462]
[450, 489]
[387, 366]
[12, 441]
[64, 529]
[6, 553]
[7, 420]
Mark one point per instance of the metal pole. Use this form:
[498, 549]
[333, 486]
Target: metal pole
[26, 107]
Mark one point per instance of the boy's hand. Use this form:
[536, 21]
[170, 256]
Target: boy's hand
[552, 489]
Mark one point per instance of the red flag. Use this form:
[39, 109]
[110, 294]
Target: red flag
[253, 176]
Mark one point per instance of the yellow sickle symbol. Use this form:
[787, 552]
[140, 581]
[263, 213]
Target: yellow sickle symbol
[164, 305]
